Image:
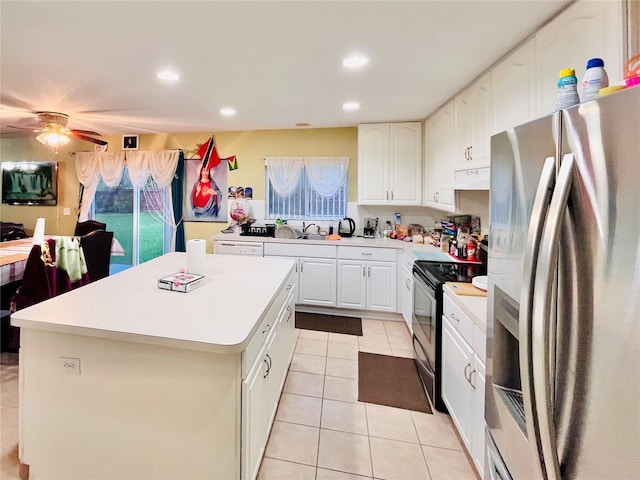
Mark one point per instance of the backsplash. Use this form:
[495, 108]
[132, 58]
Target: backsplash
[470, 202]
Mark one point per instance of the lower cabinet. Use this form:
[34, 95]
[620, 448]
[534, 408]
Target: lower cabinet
[405, 289]
[463, 382]
[316, 271]
[367, 284]
[317, 277]
[262, 386]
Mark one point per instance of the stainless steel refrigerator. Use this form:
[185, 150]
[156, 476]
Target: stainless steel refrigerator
[563, 326]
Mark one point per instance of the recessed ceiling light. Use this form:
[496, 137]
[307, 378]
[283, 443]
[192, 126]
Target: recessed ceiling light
[355, 61]
[350, 106]
[168, 75]
[227, 111]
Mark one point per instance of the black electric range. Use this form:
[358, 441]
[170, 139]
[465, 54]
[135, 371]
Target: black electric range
[429, 277]
[440, 272]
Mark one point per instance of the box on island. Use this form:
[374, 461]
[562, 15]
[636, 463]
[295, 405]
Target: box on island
[181, 282]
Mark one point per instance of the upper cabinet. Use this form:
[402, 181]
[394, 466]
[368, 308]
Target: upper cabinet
[583, 31]
[513, 89]
[472, 114]
[390, 163]
[439, 133]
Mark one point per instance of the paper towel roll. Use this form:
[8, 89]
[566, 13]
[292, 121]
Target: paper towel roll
[38, 232]
[196, 256]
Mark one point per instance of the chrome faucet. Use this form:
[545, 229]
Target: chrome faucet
[305, 228]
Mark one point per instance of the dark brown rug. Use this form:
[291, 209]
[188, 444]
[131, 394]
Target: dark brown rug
[391, 381]
[329, 323]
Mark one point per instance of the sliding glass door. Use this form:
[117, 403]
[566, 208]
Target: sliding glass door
[136, 216]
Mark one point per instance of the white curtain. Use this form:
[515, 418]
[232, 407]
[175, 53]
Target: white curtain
[161, 165]
[326, 174]
[90, 167]
[153, 172]
[284, 173]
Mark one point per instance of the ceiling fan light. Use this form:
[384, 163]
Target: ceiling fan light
[52, 139]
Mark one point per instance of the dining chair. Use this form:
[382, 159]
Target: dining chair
[46, 276]
[97, 253]
[88, 226]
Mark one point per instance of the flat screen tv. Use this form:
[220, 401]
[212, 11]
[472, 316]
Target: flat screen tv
[30, 183]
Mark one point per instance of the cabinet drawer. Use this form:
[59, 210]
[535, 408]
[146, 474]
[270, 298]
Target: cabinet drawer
[298, 250]
[368, 253]
[458, 319]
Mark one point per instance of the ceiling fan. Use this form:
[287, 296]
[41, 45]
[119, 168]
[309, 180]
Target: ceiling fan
[53, 131]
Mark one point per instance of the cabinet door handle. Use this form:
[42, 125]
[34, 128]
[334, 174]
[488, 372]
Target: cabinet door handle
[366, 253]
[408, 284]
[470, 379]
[467, 366]
[369, 271]
[289, 287]
[267, 329]
[455, 318]
[364, 273]
[466, 153]
[391, 194]
[301, 269]
[289, 312]
[471, 152]
[266, 374]
[386, 196]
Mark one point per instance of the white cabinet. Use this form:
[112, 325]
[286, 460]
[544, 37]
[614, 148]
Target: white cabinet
[472, 113]
[513, 89]
[457, 359]
[367, 278]
[316, 270]
[262, 386]
[440, 159]
[583, 31]
[405, 288]
[352, 285]
[390, 163]
[463, 378]
[317, 281]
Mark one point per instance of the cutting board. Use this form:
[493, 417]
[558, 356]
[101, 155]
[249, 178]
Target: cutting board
[466, 289]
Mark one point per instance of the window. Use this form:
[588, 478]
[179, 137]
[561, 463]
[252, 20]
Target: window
[312, 188]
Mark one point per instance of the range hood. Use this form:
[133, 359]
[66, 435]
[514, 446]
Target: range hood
[472, 179]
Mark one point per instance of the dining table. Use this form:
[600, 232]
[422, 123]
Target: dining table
[14, 254]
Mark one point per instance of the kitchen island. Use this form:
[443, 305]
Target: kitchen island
[120, 379]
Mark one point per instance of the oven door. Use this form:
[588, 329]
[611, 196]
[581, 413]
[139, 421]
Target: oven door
[424, 331]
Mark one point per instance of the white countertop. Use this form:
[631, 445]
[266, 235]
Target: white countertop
[220, 316]
[474, 307]
[418, 251]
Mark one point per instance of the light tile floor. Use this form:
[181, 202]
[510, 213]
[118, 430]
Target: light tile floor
[321, 431]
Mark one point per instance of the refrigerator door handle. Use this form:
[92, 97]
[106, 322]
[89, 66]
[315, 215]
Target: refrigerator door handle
[539, 211]
[541, 318]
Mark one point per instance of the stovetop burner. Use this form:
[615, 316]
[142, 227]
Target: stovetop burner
[449, 272]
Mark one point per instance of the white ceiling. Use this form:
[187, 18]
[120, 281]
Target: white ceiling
[276, 63]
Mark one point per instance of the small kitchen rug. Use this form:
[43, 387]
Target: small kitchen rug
[329, 323]
[391, 381]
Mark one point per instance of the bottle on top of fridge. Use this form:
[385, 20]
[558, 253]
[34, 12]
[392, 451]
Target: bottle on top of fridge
[567, 89]
[595, 78]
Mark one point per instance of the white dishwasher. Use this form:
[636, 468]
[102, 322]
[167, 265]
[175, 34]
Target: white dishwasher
[234, 247]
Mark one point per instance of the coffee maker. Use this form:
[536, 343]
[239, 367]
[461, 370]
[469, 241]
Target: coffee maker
[370, 228]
